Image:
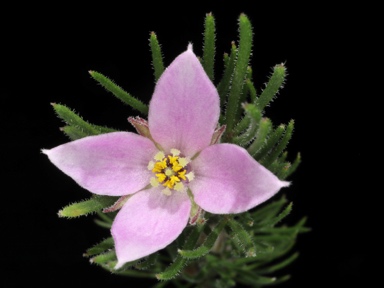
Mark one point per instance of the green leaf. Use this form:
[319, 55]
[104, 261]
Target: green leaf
[73, 132]
[119, 93]
[133, 273]
[96, 203]
[246, 219]
[174, 269]
[268, 210]
[104, 257]
[252, 90]
[80, 126]
[279, 168]
[293, 167]
[251, 278]
[279, 265]
[270, 142]
[148, 262]
[223, 86]
[274, 84]
[272, 156]
[101, 247]
[265, 127]
[242, 237]
[157, 56]
[243, 95]
[103, 224]
[208, 243]
[240, 127]
[289, 231]
[244, 53]
[209, 46]
[255, 116]
[226, 60]
[107, 217]
[273, 221]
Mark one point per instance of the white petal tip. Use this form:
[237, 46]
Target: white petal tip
[285, 183]
[190, 47]
[118, 266]
[45, 151]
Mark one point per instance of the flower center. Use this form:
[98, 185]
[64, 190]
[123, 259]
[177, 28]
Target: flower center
[170, 171]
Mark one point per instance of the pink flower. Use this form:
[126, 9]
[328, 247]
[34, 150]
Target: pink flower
[161, 174]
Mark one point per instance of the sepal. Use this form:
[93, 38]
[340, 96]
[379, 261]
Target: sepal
[216, 137]
[141, 126]
[117, 205]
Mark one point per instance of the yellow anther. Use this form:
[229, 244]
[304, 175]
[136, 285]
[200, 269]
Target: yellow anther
[151, 165]
[159, 166]
[190, 176]
[171, 182]
[172, 159]
[161, 177]
[174, 179]
[179, 187]
[159, 156]
[175, 152]
[169, 172]
[166, 191]
[181, 174]
[154, 182]
[176, 167]
[183, 161]
[168, 184]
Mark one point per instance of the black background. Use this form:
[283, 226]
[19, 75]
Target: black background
[48, 52]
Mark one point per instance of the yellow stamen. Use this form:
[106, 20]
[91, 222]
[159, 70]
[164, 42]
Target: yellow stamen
[151, 165]
[179, 187]
[190, 176]
[174, 179]
[183, 161]
[168, 184]
[171, 181]
[154, 182]
[170, 170]
[166, 191]
[159, 156]
[172, 159]
[181, 174]
[175, 152]
[159, 166]
[161, 177]
[176, 167]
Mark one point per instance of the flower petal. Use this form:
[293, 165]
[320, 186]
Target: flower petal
[229, 180]
[184, 109]
[148, 222]
[112, 164]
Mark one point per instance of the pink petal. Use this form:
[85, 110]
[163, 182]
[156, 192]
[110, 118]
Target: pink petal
[148, 222]
[112, 164]
[184, 109]
[229, 180]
